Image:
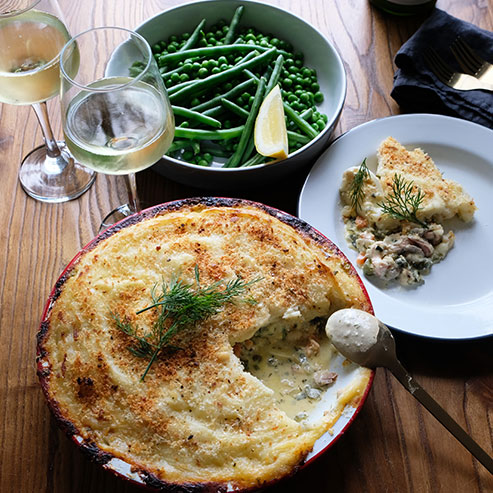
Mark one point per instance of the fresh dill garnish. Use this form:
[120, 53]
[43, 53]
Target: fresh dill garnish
[356, 192]
[403, 202]
[179, 305]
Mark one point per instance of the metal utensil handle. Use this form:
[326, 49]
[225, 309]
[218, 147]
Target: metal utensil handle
[440, 414]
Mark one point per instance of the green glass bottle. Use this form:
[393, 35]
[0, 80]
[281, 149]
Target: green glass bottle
[404, 7]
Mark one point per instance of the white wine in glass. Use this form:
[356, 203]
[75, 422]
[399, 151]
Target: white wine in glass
[32, 35]
[117, 118]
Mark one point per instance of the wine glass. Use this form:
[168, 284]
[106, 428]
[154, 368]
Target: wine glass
[116, 115]
[32, 33]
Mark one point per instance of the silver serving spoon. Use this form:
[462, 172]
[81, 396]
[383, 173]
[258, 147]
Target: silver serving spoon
[362, 338]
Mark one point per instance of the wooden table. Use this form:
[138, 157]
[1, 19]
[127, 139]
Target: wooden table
[393, 446]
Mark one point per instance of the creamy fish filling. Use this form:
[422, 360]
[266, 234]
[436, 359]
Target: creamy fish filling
[293, 362]
[404, 255]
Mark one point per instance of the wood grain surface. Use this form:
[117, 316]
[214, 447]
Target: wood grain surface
[393, 446]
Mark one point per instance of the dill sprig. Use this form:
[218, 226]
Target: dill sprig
[403, 202]
[179, 305]
[356, 192]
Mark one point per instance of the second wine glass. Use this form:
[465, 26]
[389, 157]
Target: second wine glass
[116, 115]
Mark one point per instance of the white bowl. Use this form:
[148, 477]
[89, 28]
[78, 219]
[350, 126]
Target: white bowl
[318, 52]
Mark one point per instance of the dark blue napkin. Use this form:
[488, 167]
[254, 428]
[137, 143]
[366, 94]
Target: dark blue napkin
[417, 90]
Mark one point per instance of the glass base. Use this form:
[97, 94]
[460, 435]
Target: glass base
[116, 215]
[54, 179]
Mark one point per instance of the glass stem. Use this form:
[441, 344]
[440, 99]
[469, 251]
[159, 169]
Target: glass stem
[44, 122]
[133, 198]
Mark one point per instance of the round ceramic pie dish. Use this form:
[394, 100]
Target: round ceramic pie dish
[191, 395]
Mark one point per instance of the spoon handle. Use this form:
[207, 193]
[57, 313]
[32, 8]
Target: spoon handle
[440, 414]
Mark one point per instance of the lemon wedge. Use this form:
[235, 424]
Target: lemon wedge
[270, 133]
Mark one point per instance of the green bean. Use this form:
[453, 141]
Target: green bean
[300, 123]
[180, 86]
[216, 79]
[276, 72]
[192, 40]
[234, 108]
[199, 134]
[306, 115]
[215, 150]
[195, 147]
[253, 161]
[227, 95]
[177, 70]
[234, 24]
[248, 56]
[296, 137]
[178, 145]
[250, 147]
[250, 74]
[237, 156]
[195, 115]
[213, 112]
[208, 51]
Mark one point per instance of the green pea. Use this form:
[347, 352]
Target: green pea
[320, 123]
[202, 162]
[187, 156]
[175, 77]
[215, 70]
[184, 77]
[222, 59]
[203, 73]
[305, 98]
[287, 82]
[318, 96]
[314, 86]
[156, 48]
[195, 102]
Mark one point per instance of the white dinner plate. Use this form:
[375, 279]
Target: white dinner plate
[456, 299]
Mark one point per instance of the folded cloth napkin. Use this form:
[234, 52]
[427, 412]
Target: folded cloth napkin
[416, 89]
